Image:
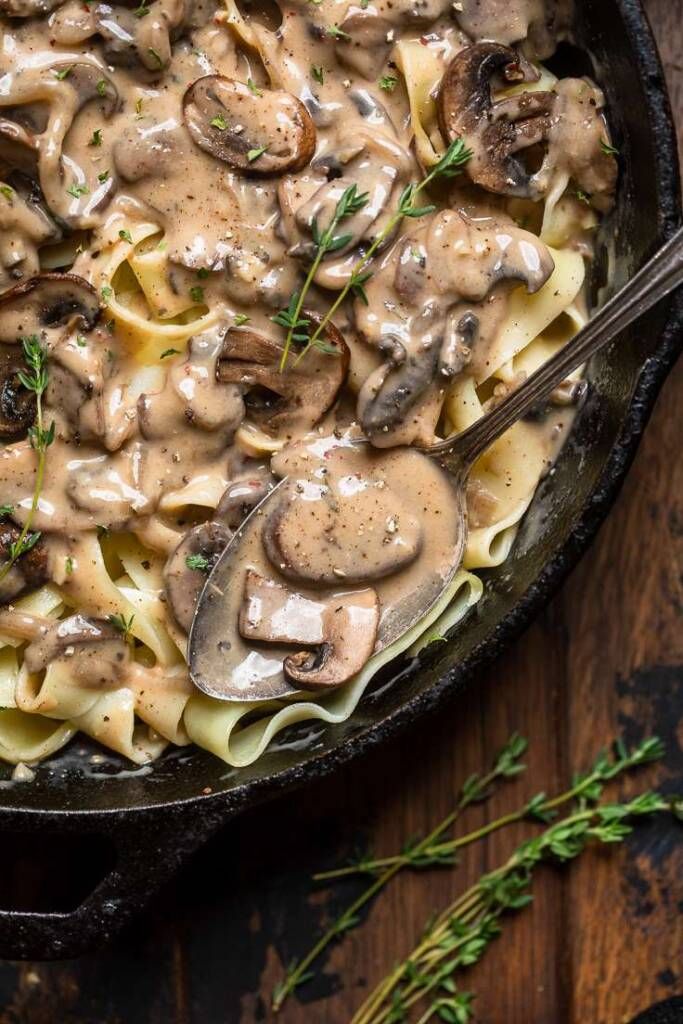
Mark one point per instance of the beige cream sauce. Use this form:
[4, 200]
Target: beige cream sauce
[124, 445]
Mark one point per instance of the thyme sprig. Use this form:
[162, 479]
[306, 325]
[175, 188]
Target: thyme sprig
[35, 379]
[586, 789]
[327, 241]
[449, 166]
[507, 765]
[461, 934]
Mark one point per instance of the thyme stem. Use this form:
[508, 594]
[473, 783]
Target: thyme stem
[35, 380]
[455, 157]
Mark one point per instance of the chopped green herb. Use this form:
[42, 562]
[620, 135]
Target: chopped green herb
[608, 148]
[219, 122]
[78, 190]
[64, 73]
[197, 294]
[169, 352]
[364, 5]
[96, 138]
[123, 625]
[337, 33]
[80, 341]
[7, 192]
[138, 107]
[103, 176]
[6, 510]
[318, 72]
[69, 565]
[156, 56]
[253, 88]
[202, 273]
[199, 563]
[102, 87]
[582, 196]
[388, 83]
[254, 154]
[126, 236]
[240, 318]
[107, 293]
[142, 11]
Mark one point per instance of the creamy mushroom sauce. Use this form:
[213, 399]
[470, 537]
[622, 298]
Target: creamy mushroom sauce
[180, 159]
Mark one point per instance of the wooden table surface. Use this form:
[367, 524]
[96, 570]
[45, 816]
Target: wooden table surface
[602, 940]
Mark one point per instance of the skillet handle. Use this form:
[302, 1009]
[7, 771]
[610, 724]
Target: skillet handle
[149, 846]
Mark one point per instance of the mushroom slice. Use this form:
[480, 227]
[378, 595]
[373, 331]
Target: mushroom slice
[44, 302]
[494, 132]
[28, 572]
[17, 403]
[348, 531]
[240, 497]
[341, 629]
[284, 401]
[64, 636]
[271, 133]
[187, 568]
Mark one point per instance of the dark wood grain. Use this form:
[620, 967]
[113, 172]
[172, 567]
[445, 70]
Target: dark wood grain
[603, 939]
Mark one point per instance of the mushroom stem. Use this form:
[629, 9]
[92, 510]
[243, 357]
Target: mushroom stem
[341, 629]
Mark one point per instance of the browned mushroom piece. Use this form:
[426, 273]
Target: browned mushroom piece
[494, 132]
[28, 572]
[329, 535]
[17, 403]
[341, 629]
[240, 497]
[93, 636]
[293, 400]
[263, 132]
[44, 302]
[187, 568]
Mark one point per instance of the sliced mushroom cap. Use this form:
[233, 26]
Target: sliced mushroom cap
[187, 568]
[240, 497]
[330, 535]
[391, 396]
[270, 133]
[17, 403]
[341, 629]
[28, 572]
[74, 631]
[281, 402]
[45, 302]
[494, 132]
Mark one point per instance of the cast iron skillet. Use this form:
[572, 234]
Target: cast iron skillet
[155, 817]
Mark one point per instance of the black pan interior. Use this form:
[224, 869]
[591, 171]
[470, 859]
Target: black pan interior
[613, 44]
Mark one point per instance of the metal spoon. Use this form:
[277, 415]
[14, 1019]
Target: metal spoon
[221, 677]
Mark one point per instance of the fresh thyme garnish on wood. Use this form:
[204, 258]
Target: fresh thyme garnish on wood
[587, 787]
[461, 934]
[327, 241]
[35, 379]
[450, 165]
[586, 821]
[476, 788]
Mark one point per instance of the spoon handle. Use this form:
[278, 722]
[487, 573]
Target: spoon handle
[653, 282]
